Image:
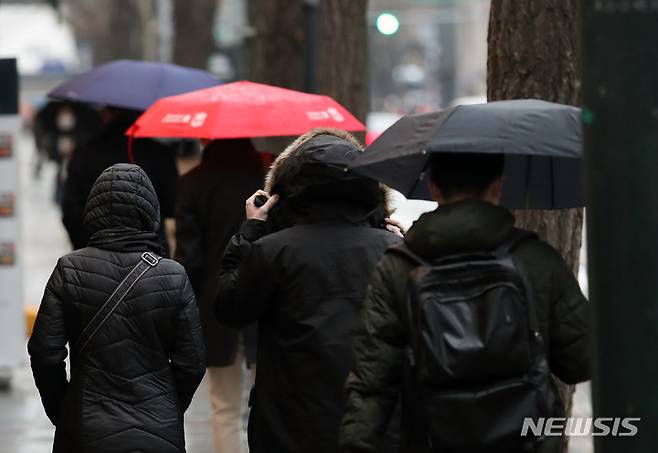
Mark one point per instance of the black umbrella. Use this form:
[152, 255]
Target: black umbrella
[541, 141]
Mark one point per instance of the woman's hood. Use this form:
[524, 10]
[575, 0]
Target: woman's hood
[313, 167]
[122, 197]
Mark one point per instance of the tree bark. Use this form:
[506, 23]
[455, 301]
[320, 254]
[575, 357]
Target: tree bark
[194, 41]
[278, 48]
[115, 34]
[148, 17]
[535, 52]
[343, 54]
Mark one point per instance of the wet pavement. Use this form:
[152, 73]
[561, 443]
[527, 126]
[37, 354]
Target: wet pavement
[24, 427]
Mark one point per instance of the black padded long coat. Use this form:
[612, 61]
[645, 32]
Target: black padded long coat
[129, 390]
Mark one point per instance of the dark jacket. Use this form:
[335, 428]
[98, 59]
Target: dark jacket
[209, 212]
[305, 285]
[109, 148]
[129, 389]
[464, 227]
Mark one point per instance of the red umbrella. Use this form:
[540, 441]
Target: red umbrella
[242, 109]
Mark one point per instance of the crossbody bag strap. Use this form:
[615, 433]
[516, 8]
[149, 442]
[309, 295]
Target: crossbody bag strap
[147, 261]
[516, 237]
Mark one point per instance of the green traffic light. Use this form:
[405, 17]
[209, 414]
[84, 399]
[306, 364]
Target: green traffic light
[387, 24]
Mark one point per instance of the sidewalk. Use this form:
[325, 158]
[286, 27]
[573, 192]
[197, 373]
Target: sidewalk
[24, 427]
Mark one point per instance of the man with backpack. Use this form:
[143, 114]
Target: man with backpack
[465, 322]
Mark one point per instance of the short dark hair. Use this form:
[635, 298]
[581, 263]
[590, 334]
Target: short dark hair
[464, 173]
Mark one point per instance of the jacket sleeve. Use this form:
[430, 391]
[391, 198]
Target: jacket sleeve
[245, 283]
[569, 325]
[373, 386]
[189, 249]
[76, 190]
[47, 348]
[188, 358]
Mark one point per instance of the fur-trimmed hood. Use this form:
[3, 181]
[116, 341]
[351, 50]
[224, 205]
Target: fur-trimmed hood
[292, 152]
[311, 172]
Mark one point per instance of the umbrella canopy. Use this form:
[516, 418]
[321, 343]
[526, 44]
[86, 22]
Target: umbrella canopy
[242, 109]
[541, 140]
[134, 85]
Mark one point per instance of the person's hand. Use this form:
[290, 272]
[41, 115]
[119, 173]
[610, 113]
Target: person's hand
[395, 226]
[256, 213]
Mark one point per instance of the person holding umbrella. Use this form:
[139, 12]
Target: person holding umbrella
[209, 211]
[109, 147]
[125, 89]
[469, 317]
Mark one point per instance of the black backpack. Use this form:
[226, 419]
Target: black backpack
[477, 363]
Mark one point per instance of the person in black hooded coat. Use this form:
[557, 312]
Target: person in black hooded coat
[130, 388]
[209, 212]
[304, 283]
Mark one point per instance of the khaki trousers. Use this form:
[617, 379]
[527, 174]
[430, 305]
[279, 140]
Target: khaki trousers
[228, 397]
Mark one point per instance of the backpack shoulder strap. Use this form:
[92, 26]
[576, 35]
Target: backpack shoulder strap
[504, 251]
[401, 249]
[147, 261]
[515, 237]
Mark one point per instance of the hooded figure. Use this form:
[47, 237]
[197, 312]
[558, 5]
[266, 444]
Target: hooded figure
[209, 212]
[302, 275]
[129, 389]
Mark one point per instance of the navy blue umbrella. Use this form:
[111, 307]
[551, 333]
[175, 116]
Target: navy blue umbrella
[541, 141]
[134, 85]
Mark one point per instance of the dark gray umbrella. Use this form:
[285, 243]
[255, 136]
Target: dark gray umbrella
[541, 141]
[134, 85]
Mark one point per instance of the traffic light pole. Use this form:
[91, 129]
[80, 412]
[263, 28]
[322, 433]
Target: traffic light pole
[620, 116]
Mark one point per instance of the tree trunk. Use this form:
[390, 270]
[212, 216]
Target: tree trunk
[115, 34]
[194, 41]
[535, 52]
[148, 17]
[124, 37]
[343, 54]
[278, 48]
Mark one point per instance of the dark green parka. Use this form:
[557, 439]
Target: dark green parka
[467, 226]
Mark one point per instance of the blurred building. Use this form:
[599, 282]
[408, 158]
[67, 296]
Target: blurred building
[33, 32]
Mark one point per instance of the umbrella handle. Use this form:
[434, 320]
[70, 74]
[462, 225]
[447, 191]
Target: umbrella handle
[131, 152]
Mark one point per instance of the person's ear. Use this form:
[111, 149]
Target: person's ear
[436, 193]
